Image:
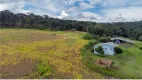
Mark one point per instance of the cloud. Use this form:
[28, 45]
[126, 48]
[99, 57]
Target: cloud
[115, 3]
[83, 5]
[63, 15]
[13, 6]
[91, 10]
[88, 16]
[129, 14]
[136, 3]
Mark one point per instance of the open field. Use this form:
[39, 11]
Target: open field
[26, 53]
[127, 65]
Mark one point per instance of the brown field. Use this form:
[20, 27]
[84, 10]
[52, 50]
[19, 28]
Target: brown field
[41, 54]
[22, 68]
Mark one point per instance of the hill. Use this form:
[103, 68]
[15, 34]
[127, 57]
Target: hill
[131, 30]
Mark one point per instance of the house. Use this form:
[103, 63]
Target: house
[118, 40]
[108, 48]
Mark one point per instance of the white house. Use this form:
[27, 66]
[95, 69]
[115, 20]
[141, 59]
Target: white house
[107, 47]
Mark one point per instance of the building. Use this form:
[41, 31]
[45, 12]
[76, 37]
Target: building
[121, 41]
[108, 48]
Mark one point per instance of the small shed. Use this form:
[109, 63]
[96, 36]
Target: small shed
[118, 40]
[108, 48]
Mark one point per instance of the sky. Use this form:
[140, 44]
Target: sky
[82, 10]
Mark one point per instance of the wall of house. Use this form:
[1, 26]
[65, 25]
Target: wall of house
[107, 50]
[94, 49]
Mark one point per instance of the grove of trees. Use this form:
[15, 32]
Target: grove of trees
[131, 30]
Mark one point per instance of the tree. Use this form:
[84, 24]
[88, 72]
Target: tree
[125, 29]
[88, 36]
[99, 50]
[105, 39]
[140, 38]
[118, 50]
[140, 48]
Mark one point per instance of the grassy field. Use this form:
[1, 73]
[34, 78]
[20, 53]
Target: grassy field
[128, 64]
[26, 53]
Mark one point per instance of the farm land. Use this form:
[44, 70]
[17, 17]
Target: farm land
[30, 53]
[26, 53]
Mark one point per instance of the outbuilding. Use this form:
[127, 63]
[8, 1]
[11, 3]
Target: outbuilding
[118, 40]
[108, 48]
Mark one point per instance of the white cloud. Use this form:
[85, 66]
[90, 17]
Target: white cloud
[71, 2]
[63, 15]
[115, 3]
[88, 16]
[130, 9]
[3, 7]
[93, 2]
[13, 6]
[129, 14]
[136, 3]
[84, 6]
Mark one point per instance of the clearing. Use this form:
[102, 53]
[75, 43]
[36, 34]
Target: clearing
[29, 53]
[126, 65]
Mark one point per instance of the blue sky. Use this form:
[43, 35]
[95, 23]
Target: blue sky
[84, 10]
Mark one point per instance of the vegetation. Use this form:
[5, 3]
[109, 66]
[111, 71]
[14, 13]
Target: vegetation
[30, 53]
[43, 69]
[31, 21]
[100, 50]
[140, 48]
[47, 53]
[118, 50]
[140, 38]
[122, 64]
[104, 39]
[88, 36]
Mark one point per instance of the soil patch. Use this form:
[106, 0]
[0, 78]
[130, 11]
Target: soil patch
[23, 68]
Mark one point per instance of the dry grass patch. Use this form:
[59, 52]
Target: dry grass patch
[58, 58]
[19, 70]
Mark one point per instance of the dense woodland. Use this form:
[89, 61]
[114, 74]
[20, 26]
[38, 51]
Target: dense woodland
[131, 30]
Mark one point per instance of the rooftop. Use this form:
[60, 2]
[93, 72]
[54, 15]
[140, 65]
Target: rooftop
[127, 40]
[110, 44]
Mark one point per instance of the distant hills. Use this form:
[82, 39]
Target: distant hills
[31, 21]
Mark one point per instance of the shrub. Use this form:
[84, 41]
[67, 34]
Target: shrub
[140, 48]
[92, 43]
[92, 49]
[140, 38]
[44, 69]
[54, 34]
[88, 36]
[104, 39]
[118, 50]
[96, 37]
[99, 50]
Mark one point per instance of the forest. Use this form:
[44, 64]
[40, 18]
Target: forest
[131, 30]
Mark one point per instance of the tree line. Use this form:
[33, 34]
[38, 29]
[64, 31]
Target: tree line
[131, 30]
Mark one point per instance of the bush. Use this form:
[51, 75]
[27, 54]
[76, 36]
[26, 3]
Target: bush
[54, 34]
[92, 43]
[88, 36]
[140, 38]
[140, 48]
[118, 50]
[92, 49]
[104, 39]
[99, 50]
[44, 69]
[96, 37]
